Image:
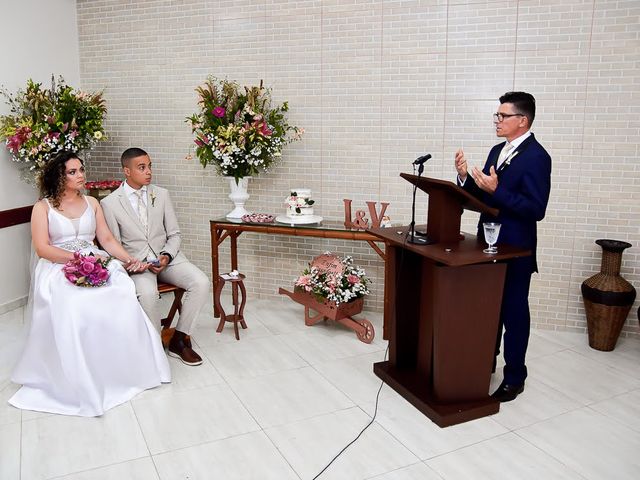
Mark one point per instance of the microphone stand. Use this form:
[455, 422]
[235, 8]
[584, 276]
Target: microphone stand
[412, 237]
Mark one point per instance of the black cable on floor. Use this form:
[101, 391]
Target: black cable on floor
[375, 412]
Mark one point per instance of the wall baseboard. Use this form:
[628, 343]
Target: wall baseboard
[13, 304]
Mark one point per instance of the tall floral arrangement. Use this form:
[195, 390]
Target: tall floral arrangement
[44, 121]
[239, 130]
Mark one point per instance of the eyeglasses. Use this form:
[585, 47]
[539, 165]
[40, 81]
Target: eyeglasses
[498, 117]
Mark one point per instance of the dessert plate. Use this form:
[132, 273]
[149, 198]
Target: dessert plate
[258, 218]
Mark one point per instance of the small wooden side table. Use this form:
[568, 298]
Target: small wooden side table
[239, 297]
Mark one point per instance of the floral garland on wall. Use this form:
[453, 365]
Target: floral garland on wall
[42, 122]
[238, 130]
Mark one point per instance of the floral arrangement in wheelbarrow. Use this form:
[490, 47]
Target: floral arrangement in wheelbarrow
[334, 288]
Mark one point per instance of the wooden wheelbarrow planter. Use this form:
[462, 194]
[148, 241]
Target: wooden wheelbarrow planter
[327, 310]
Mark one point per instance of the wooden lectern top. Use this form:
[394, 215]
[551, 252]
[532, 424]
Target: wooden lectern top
[464, 198]
[446, 204]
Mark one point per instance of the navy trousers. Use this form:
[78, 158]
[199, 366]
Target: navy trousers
[515, 319]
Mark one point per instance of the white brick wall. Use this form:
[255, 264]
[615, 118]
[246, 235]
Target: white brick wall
[376, 83]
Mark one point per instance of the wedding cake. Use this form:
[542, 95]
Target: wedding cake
[299, 203]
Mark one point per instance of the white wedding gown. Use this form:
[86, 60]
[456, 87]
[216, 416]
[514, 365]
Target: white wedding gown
[88, 349]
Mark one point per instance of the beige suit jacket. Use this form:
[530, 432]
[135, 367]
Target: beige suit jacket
[163, 233]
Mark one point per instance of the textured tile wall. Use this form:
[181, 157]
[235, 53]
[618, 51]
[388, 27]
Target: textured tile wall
[376, 83]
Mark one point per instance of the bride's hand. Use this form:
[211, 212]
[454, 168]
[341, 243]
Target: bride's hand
[135, 266]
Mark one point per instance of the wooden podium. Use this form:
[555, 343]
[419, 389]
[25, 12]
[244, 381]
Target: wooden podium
[442, 307]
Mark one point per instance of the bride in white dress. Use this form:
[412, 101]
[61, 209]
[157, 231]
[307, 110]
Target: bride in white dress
[88, 349]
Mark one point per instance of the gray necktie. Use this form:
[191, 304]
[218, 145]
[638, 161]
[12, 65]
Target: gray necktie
[504, 154]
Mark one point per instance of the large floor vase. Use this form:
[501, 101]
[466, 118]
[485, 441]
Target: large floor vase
[238, 196]
[607, 297]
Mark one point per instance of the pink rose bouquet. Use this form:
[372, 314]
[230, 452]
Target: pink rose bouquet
[87, 270]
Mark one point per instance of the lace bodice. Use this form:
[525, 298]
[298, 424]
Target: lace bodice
[64, 234]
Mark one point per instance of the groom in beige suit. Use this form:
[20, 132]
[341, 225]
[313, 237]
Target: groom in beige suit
[142, 218]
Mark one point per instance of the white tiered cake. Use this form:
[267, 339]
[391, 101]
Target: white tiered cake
[299, 203]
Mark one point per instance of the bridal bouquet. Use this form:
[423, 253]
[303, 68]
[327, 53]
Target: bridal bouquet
[239, 130]
[44, 121]
[333, 278]
[87, 270]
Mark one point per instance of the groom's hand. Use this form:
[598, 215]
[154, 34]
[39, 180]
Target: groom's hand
[164, 261]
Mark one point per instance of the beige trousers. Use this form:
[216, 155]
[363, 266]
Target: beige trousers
[185, 275]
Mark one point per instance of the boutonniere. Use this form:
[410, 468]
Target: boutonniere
[508, 160]
[152, 195]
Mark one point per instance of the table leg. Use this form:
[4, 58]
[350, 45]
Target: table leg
[234, 250]
[215, 267]
[216, 303]
[243, 291]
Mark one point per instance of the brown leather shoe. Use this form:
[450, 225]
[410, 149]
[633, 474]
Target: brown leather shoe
[180, 347]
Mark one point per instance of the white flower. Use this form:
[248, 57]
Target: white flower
[97, 135]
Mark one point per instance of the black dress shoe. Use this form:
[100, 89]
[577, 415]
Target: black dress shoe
[506, 392]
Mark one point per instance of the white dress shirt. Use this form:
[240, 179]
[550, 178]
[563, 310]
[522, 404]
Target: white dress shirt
[515, 142]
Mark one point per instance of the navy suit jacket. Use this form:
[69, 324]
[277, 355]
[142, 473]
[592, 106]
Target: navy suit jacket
[522, 194]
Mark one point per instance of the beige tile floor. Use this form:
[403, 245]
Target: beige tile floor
[284, 400]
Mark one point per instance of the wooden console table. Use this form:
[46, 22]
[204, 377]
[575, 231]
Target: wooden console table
[223, 228]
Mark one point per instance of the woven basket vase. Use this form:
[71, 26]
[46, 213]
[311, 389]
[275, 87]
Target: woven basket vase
[607, 297]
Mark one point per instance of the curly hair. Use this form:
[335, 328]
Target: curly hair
[53, 178]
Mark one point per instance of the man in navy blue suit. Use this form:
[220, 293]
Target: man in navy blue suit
[516, 179]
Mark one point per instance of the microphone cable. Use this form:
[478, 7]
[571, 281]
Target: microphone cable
[375, 413]
[386, 352]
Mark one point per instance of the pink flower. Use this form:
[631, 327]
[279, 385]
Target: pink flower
[87, 267]
[353, 279]
[14, 143]
[303, 281]
[265, 131]
[103, 275]
[219, 112]
[71, 277]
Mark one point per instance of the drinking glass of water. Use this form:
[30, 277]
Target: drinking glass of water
[491, 232]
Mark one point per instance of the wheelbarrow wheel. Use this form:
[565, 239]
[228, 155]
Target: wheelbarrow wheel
[368, 333]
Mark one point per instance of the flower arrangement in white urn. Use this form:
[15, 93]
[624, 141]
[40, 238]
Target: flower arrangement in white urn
[239, 130]
[42, 122]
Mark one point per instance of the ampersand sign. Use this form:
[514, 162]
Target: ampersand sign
[360, 221]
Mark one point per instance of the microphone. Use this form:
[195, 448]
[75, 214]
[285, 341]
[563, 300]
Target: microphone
[422, 159]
